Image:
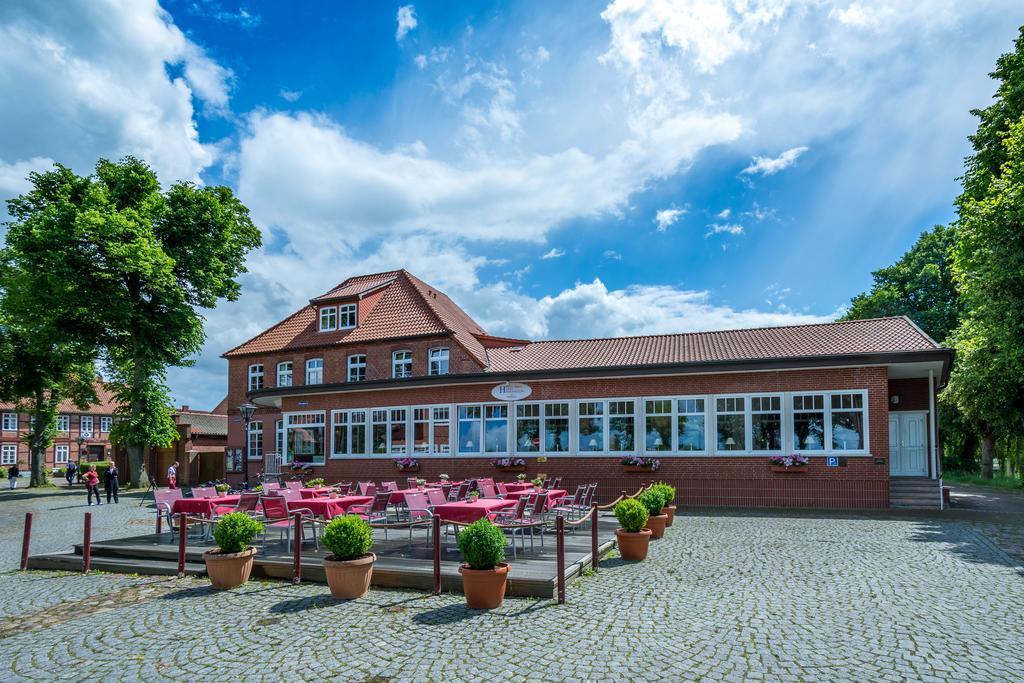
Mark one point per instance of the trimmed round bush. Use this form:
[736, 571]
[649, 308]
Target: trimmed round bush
[632, 515]
[314, 483]
[235, 531]
[347, 537]
[482, 545]
[652, 500]
[668, 493]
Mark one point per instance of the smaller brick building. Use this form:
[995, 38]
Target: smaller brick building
[384, 366]
[81, 435]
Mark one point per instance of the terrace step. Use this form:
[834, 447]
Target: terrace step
[919, 493]
[72, 562]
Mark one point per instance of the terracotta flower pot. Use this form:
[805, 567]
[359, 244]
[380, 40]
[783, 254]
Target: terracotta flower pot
[484, 588]
[228, 570]
[656, 523]
[349, 579]
[633, 546]
[670, 511]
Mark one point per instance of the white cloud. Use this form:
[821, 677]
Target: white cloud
[290, 95]
[406, 21]
[667, 217]
[772, 165]
[724, 228]
[612, 255]
[554, 253]
[92, 80]
[723, 214]
[437, 55]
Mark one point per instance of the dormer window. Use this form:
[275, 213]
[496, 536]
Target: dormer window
[401, 364]
[346, 316]
[328, 318]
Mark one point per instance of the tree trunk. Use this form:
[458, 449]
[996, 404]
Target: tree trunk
[988, 451]
[37, 440]
[968, 455]
[137, 464]
[136, 451]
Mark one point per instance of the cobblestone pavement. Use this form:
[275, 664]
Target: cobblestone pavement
[725, 596]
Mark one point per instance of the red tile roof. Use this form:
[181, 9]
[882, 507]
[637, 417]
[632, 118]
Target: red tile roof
[880, 335]
[105, 403]
[357, 286]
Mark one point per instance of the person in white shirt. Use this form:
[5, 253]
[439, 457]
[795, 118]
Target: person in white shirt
[172, 476]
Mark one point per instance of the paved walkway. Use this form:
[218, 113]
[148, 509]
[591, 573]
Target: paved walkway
[725, 596]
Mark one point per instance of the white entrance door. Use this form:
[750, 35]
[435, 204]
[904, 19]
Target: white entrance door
[908, 447]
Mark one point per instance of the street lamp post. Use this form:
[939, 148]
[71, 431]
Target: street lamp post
[246, 410]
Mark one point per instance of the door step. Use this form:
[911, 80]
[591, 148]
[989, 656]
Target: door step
[914, 493]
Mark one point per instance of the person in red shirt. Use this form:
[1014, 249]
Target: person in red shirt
[92, 484]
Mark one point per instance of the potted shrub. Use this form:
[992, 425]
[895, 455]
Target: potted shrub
[788, 464]
[632, 538]
[421, 483]
[314, 483]
[230, 563]
[443, 477]
[537, 481]
[635, 463]
[222, 489]
[521, 477]
[654, 501]
[349, 567]
[669, 494]
[485, 572]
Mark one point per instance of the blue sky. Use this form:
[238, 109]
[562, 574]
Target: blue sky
[560, 169]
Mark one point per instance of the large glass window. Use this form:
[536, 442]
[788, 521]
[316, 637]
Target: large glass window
[591, 426]
[421, 430]
[349, 433]
[279, 437]
[8, 454]
[766, 423]
[328, 318]
[556, 427]
[690, 424]
[496, 428]
[809, 422]
[542, 428]
[63, 423]
[469, 428]
[528, 428]
[621, 425]
[255, 440]
[658, 424]
[357, 368]
[346, 316]
[315, 371]
[397, 431]
[438, 361]
[401, 364]
[440, 426]
[305, 438]
[284, 374]
[60, 454]
[730, 418]
[380, 431]
[848, 422]
[255, 377]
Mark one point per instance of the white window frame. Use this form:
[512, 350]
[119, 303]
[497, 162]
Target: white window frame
[328, 318]
[255, 438]
[438, 359]
[606, 425]
[863, 410]
[294, 421]
[57, 450]
[353, 364]
[319, 370]
[350, 418]
[284, 373]
[82, 429]
[8, 453]
[436, 415]
[390, 415]
[279, 437]
[347, 316]
[750, 422]
[106, 423]
[255, 382]
[64, 423]
[826, 436]
[402, 357]
[482, 420]
[542, 418]
[9, 422]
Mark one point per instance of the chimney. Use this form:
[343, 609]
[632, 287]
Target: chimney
[184, 408]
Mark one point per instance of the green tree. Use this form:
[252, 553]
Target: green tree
[147, 260]
[919, 286]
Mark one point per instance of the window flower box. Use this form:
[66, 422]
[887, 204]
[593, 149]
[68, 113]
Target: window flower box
[788, 464]
[407, 465]
[636, 464]
[509, 464]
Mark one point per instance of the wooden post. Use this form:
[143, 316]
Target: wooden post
[560, 544]
[625, 495]
[297, 575]
[25, 541]
[593, 536]
[437, 554]
[182, 540]
[87, 544]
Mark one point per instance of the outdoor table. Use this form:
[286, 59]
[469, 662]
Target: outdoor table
[203, 506]
[316, 493]
[512, 488]
[445, 486]
[466, 511]
[328, 508]
[398, 497]
[553, 495]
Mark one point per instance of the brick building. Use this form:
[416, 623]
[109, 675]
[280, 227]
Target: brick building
[384, 366]
[199, 448]
[81, 435]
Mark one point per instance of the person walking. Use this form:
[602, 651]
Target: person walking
[12, 476]
[110, 482]
[172, 476]
[69, 473]
[92, 484]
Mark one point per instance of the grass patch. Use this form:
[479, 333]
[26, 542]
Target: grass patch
[997, 481]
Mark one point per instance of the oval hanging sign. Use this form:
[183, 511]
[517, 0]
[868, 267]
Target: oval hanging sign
[511, 391]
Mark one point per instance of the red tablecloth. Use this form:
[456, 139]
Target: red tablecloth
[316, 493]
[465, 511]
[511, 488]
[202, 506]
[553, 495]
[398, 497]
[329, 508]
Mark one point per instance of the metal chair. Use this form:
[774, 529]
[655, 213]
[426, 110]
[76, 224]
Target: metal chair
[377, 511]
[514, 517]
[411, 482]
[366, 488]
[389, 485]
[204, 492]
[164, 503]
[417, 508]
[487, 489]
[278, 515]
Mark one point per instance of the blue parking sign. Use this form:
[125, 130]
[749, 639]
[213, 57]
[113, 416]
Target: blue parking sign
[832, 461]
